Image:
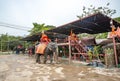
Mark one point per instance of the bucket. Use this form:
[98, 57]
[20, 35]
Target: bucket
[95, 63]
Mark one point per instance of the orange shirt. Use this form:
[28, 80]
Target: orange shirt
[113, 32]
[45, 38]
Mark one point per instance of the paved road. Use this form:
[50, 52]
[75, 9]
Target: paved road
[23, 68]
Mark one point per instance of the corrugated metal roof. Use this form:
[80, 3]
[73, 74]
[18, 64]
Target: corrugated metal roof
[93, 24]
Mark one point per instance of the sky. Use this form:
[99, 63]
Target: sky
[23, 13]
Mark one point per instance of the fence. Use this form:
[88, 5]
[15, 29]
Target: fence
[7, 47]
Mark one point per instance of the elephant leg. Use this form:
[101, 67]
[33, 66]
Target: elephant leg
[38, 58]
[51, 58]
[45, 58]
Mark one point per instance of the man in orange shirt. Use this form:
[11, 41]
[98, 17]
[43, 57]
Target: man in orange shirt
[45, 38]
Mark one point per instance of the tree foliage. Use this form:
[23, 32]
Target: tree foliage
[9, 41]
[92, 10]
[97, 36]
[117, 19]
[101, 35]
[40, 27]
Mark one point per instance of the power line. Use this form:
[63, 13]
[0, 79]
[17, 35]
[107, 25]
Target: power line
[13, 25]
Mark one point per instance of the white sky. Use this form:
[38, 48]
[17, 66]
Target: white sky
[50, 12]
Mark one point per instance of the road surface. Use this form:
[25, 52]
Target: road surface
[23, 68]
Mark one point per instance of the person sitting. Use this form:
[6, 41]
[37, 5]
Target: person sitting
[44, 40]
[73, 37]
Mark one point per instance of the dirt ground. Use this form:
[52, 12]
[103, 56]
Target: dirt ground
[23, 68]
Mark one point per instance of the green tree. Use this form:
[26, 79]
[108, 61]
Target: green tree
[101, 35]
[92, 10]
[40, 27]
[117, 19]
[12, 41]
[97, 36]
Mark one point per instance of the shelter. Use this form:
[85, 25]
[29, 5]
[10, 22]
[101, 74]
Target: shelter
[93, 24]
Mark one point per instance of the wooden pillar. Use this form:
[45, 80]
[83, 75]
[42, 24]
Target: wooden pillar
[1, 45]
[106, 63]
[114, 44]
[69, 50]
[57, 51]
[74, 56]
[115, 53]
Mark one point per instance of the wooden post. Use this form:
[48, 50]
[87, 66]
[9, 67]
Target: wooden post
[115, 53]
[106, 63]
[57, 51]
[114, 44]
[1, 45]
[69, 50]
[74, 56]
